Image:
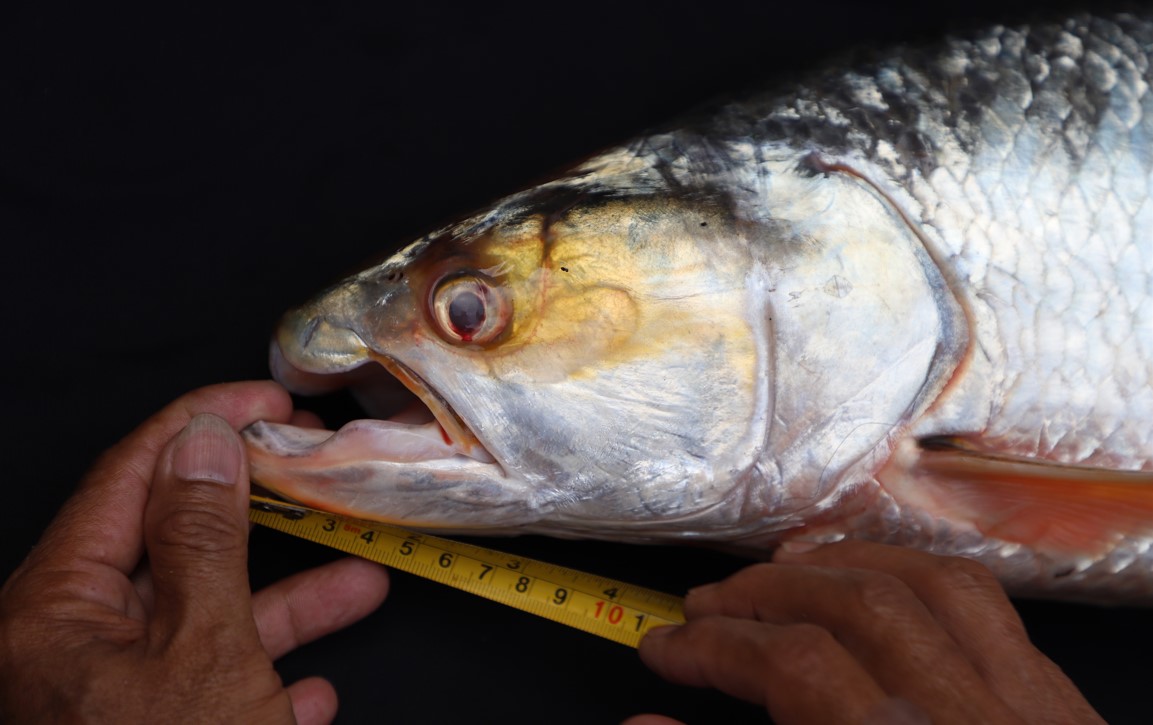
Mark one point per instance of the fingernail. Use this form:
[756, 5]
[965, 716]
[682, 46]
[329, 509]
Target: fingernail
[896, 711]
[662, 631]
[798, 546]
[697, 591]
[207, 450]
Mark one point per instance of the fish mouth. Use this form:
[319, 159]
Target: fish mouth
[453, 429]
[411, 422]
[413, 463]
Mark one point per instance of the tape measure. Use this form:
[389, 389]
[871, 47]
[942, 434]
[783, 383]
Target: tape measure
[598, 605]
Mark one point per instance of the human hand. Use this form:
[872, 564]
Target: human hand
[90, 630]
[856, 632]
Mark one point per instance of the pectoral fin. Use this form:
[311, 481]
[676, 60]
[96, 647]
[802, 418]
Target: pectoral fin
[1050, 507]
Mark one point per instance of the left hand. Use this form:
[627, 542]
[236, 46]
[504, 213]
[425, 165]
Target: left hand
[92, 629]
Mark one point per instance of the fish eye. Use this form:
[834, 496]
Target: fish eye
[469, 308]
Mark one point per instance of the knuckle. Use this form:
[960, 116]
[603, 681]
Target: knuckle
[878, 595]
[805, 649]
[810, 637]
[955, 572]
[203, 529]
[700, 633]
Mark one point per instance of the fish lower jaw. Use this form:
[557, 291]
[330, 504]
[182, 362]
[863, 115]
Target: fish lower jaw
[361, 440]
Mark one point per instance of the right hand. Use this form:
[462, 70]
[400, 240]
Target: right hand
[856, 632]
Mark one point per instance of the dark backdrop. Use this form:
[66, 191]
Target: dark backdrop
[173, 176]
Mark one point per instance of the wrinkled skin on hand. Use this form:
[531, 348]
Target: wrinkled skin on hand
[135, 606]
[864, 633]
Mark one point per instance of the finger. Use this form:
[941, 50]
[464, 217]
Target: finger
[650, 719]
[875, 616]
[313, 700]
[101, 523]
[789, 670]
[314, 603]
[196, 530]
[970, 605]
[962, 595]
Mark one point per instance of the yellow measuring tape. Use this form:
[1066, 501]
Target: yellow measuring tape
[606, 607]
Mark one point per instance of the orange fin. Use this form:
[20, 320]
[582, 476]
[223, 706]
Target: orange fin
[1052, 507]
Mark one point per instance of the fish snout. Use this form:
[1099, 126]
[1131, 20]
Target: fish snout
[310, 350]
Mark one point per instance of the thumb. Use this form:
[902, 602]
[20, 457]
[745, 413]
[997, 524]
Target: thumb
[196, 530]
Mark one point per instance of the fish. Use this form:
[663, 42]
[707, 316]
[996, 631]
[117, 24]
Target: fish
[907, 298]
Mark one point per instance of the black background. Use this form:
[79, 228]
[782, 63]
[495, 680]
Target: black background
[173, 176]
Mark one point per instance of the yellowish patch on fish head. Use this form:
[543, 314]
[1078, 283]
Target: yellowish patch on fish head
[540, 316]
[599, 286]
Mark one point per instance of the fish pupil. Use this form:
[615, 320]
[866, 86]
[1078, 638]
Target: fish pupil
[466, 313]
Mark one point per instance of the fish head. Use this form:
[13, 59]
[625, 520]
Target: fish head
[672, 352]
[583, 363]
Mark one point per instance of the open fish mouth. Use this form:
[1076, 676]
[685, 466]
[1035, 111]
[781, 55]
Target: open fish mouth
[412, 461]
[408, 427]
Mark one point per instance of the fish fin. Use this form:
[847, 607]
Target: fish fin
[1052, 507]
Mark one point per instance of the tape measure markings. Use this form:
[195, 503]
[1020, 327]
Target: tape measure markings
[606, 607]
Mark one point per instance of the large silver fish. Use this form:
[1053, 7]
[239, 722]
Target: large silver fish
[909, 300]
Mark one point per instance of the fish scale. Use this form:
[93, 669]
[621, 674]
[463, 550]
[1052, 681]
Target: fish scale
[1038, 186]
[907, 299]
[1062, 357]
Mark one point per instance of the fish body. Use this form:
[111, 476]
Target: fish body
[909, 299]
